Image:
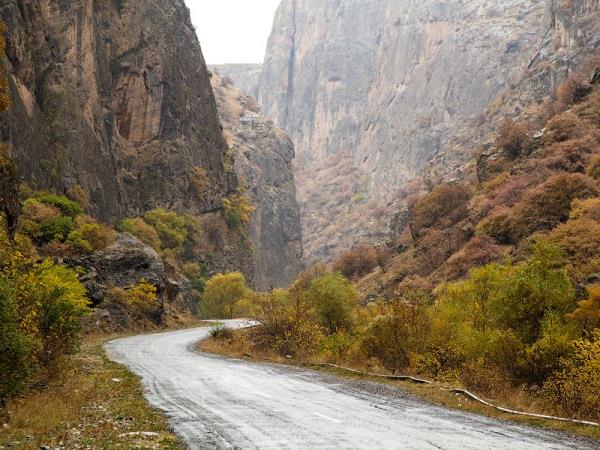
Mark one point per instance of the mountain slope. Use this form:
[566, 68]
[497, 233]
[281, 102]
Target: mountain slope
[397, 83]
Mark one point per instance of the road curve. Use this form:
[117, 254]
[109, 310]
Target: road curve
[214, 402]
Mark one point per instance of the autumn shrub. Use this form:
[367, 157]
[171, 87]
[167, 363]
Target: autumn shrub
[445, 206]
[510, 315]
[57, 229]
[573, 389]
[393, 332]
[90, 236]
[237, 210]
[143, 297]
[514, 138]
[563, 127]
[357, 262]
[221, 332]
[593, 168]
[587, 313]
[479, 251]
[288, 323]
[580, 240]
[548, 204]
[42, 305]
[79, 195]
[222, 295]
[573, 155]
[142, 230]
[334, 298]
[171, 227]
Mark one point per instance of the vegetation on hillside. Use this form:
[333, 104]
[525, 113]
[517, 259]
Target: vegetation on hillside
[493, 284]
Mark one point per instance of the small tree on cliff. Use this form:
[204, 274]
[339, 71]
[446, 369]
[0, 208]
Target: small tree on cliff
[9, 182]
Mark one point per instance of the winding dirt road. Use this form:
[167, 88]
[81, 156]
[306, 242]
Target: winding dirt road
[213, 402]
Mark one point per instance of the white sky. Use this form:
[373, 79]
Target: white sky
[233, 31]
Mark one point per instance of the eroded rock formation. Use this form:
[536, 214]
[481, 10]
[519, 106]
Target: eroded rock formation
[262, 155]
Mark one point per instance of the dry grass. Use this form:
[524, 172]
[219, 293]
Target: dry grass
[240, 346]
[94, 405]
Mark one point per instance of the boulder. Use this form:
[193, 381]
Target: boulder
[123, 264]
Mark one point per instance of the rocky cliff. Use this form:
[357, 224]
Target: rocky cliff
[112, 96]
[397, 82]
[262, 155]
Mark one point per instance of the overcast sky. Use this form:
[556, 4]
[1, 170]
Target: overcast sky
[233, 31]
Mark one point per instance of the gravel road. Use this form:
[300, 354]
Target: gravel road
[213, 402]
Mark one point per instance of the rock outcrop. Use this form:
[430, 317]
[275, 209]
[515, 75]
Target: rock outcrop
[262, 155]
[399, 82]
[246, 76]
[112, 96]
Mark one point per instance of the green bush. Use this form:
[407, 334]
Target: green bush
[68, 207]
[16, 365]
[57, 229]
[222, 295]
[334, 298]
[574, 388]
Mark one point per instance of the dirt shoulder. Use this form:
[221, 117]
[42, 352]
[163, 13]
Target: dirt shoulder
[95, 404]
[240, 347]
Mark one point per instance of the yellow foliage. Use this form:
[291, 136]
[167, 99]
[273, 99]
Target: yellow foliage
[237, 209]
[143, 296]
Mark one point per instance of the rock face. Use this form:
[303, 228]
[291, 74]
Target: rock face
[123, 264]
[398, 82]
[113, 96]
[263, 156]
[246, 76]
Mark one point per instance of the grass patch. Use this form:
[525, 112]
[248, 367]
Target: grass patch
[240, 346]
[95, 404]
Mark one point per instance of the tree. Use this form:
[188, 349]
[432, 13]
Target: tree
[222, 293]
[334, 298]
[588, 310]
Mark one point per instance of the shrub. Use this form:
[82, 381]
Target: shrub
[445, 206]
[479, 251]
[222, 294]
[580, 240]
[91, 236]
[357, 262]
[564, 127]
[288, 323]
[514, 138]
[68, 207]
[79, 195]
[172, 228]
[574, 388]
[140, 229]
[593, 169]
[57, 229]
[200, 180]
[144, 298]
[547, 205]
[334, 298]
[587, 313]
[393, 333]
[237, 210]
[221, 332]
[16, 365]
